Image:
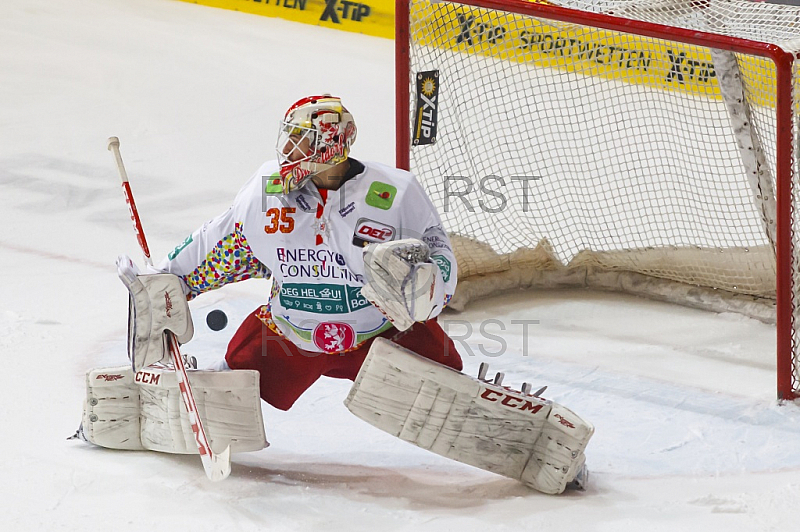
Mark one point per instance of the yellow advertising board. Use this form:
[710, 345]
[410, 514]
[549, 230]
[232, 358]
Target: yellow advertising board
[370, 17]
[588, 51]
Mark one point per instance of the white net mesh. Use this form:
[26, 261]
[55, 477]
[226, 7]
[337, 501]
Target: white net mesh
[571, 155]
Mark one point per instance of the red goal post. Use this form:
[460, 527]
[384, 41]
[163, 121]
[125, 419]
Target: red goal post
[512, 115]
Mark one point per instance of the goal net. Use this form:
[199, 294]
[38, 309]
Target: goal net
[634, 145]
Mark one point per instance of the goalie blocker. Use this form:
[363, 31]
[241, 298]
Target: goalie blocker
[514, 434]
[157, 304]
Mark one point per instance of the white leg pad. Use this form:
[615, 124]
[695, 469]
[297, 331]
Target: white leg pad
[144, 410]
[494, 428]
[111, 409]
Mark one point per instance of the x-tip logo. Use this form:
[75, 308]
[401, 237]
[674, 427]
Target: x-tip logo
[425, 121]
[335, 10]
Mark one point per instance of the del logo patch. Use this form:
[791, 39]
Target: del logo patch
[381, 195]
[371, 231]
[333, 337]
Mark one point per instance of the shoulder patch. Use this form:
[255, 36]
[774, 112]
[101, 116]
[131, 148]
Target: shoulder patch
[444, 266]
[272, 184]
[381, 195]
[180, 247]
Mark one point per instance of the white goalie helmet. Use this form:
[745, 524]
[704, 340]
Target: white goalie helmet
[315, 135]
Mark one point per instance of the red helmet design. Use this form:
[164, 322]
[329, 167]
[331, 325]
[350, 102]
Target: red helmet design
[317, 133]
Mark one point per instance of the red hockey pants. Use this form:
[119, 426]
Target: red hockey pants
[287, 371]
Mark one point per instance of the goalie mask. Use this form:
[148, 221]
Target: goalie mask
[315, 135]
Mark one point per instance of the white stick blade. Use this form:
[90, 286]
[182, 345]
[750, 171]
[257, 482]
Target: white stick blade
[218, 465]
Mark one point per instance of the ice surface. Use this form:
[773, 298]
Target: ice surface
[689, 436]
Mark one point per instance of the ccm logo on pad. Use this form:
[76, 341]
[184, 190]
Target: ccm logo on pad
[371, 231]
[523, 404]
[145, 377]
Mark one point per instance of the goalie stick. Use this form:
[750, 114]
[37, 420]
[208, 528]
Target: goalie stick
[216, 465]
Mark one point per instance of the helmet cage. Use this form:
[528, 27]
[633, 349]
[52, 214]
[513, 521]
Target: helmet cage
[290, 139]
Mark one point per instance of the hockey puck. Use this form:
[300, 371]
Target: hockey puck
[216, 320]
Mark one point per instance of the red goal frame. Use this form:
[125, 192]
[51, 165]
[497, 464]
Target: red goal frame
[787, 386]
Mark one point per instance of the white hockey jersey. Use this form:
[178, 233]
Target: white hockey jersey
[311, 243]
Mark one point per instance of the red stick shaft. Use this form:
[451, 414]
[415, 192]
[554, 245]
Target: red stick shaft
[137, 224]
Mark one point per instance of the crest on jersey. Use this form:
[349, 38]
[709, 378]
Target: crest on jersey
[334, 337]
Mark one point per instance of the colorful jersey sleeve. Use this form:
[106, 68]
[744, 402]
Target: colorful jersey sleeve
[215, 255]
